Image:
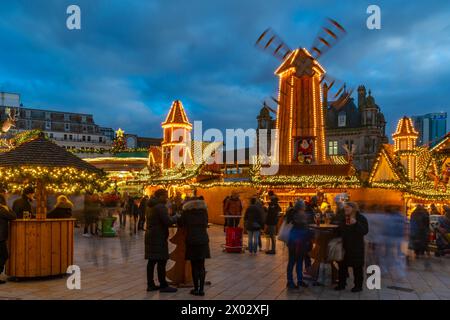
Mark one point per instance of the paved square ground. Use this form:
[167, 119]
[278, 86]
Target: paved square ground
[114, 268]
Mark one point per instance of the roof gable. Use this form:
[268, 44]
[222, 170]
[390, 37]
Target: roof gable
[386, 166]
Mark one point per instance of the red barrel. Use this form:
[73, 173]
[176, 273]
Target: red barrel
[233, 239]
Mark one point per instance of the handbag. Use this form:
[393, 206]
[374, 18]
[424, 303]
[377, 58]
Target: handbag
[335, 250]
[284, 232]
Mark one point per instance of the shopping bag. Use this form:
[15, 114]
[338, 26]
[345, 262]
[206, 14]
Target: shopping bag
[284, 232]
[335, 250]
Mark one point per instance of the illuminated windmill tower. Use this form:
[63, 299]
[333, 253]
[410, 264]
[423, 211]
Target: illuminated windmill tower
[176, 137]
[300, 114]
[405, 138]
[300, 119]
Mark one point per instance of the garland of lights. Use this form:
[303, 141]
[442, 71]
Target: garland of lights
[103, 151]
[65, 180]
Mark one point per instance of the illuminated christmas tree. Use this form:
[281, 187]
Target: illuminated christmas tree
[119, 144]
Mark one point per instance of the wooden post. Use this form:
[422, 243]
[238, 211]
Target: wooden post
[41, 201]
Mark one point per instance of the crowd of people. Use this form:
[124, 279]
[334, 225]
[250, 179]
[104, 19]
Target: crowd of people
[155, 214]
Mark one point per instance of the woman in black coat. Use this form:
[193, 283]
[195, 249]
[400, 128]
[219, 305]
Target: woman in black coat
[195, 219]
[352, 229]
[156, 236]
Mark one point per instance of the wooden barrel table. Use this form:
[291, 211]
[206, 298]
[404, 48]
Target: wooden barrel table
[40, 247]
[324, 233]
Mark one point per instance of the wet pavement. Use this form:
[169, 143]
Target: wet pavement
[114, 268]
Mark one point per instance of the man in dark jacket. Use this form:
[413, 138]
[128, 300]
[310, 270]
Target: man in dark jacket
[6, 215]
[23, 204]
[156, 236]
[273, 212]
[352, 230]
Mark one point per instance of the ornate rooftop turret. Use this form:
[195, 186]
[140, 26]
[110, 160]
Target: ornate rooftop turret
[405, 138]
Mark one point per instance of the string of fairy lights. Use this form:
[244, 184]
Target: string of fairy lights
[65, 180]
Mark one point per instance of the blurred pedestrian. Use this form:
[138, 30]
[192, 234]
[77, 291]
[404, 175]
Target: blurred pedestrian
[419, 230]
[273, 212]
[142, 207]
[6, 215]
[92, 207]
[352, 231]
[123, 210]
[253, 220]
[299, 244]
[443, 234]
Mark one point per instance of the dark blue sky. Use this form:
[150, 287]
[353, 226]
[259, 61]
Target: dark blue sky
[132, 58]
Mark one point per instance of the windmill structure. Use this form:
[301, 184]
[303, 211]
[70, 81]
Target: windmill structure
[303, 92]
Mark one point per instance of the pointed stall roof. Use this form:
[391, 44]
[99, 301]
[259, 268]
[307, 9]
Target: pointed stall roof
[43, 153]
[177, 115]
[443, 144]
[405, 127]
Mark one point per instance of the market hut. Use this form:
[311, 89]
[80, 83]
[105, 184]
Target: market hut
[44, 247]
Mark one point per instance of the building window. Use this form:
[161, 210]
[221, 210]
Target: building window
[51, 135]
[89, 138]
[83, 119]
[27, 113]
[65, 136]
[332, 148]
[84, 129]
[100, 139]
[48, 125]
[47, 116]
[67, 126]
[70, 137]
[66, 117]
[84, 138]
[342, 119]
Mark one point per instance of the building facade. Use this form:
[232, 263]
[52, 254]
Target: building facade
[431, 127]
[67, 129]
[355, 131]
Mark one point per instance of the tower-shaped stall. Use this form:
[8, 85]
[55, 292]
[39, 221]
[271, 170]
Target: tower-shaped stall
[300, 115]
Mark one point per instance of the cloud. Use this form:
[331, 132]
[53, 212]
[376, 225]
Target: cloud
[133, 58]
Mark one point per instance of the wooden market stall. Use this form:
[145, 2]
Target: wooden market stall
[41, 247]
